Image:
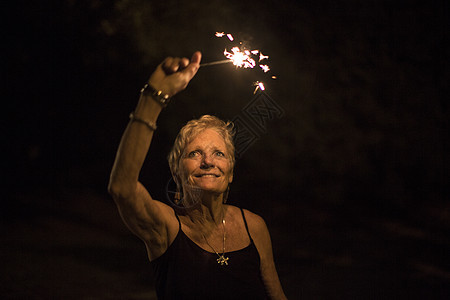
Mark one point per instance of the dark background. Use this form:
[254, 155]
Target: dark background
[352, 180]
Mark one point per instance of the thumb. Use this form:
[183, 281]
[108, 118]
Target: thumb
[194, 64]
[196, 57]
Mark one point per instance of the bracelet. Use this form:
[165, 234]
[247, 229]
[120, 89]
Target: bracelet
[149, 124]
[159, 96]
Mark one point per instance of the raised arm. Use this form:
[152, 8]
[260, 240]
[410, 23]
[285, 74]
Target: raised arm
[151, 220]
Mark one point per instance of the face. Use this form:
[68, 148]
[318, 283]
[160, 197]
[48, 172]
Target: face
[205, 163]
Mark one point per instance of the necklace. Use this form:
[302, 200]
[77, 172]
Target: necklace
[222, 259]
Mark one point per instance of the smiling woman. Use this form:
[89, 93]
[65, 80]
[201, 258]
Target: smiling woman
[203, 150]
[208, 249]
[205, 164]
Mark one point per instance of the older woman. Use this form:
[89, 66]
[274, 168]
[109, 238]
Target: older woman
[208, 250]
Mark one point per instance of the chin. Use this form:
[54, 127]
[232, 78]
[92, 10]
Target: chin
[206, 188]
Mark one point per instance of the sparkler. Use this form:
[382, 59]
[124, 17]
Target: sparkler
[242, 57]
[219, 62]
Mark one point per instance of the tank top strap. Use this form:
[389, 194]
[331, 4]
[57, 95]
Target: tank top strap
[246, 226]
[179, 222]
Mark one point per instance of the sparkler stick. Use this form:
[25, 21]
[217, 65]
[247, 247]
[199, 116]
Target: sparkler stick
[219, 62]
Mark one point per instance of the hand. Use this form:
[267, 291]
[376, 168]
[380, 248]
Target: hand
[174, 73]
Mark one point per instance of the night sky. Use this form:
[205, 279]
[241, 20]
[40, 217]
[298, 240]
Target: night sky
[349, 167]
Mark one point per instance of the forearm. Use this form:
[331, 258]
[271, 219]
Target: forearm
[169, 78]
[133, 148]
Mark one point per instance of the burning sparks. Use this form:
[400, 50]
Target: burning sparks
[262, 56]
[243, 58]
[222, 34]
[265, 68]
[258, 86]
[239, 58]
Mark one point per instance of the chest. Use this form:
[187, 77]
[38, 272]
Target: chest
[187, 270]
[227, 237]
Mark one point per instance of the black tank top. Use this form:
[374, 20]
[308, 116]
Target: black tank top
[186, 271]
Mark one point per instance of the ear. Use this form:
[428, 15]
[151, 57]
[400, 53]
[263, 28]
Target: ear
[230, 180]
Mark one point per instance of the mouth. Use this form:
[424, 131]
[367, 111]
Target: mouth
[207, 175]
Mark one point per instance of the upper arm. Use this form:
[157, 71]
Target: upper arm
[152, 221]
[261, 237]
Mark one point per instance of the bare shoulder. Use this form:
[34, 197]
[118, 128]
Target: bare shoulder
[258, 230]
[255, 222]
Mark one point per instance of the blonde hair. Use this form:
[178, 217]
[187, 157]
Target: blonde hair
[190, 131]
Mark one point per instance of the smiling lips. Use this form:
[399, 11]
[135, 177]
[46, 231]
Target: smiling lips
[207, 175]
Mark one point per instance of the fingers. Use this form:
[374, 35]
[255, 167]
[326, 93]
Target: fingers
[174, 73]
[174, 64]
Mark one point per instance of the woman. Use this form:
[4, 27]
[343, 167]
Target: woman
[208, 250]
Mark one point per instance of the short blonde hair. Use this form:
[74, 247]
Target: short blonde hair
[190, 131]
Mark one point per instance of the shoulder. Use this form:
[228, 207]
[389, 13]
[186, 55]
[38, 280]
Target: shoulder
[256, 225]
[258, 229]
[255, 222]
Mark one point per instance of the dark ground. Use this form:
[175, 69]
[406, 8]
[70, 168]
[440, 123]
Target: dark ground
[352, 178]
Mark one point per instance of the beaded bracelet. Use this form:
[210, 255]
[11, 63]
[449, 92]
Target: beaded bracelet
[159, 96]
[149, 124]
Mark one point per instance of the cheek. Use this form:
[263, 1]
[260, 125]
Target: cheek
[186, 168]
[228, 170]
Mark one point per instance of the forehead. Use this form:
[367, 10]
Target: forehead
[208, 138]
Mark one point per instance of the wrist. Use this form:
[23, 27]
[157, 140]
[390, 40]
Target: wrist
[159, 96]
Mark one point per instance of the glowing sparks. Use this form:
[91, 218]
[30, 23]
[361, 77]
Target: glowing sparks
[262, 56]
[222, 34]
[239, 58]
[258, 86]
[265, 68]
[242, 57]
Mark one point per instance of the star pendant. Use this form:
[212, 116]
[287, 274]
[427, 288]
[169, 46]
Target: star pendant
[222, 260]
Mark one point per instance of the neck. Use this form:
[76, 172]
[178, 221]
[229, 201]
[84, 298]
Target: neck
[209, 211]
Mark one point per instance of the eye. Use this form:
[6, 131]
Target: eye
[194, 153]
[220, 153]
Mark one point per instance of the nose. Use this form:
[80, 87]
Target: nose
[207, 162]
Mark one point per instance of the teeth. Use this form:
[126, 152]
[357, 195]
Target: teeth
[208, 175]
